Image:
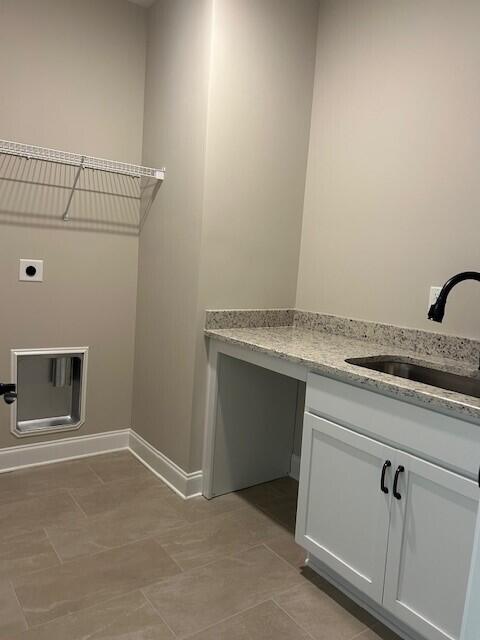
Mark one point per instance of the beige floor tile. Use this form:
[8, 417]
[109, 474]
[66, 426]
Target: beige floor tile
[313, 578]
[151, 512]
[48, 509]
[321, 615]
[286, 486]
[209, 539]
[202, 597]
[284, 545]
[117, 466]
[277, 498]
[264, 622]
[51, 593]
[148, 515]
[261, 495]
[105, 497]
[284, 510]
[26, 483]
[195, 509]
[119, 529]
[25, 553]
[378, 632]
[11, 616]
[129, 616]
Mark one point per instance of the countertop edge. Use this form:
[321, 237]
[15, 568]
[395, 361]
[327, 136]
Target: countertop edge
[419, 397]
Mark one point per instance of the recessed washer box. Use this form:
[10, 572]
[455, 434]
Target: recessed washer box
[51, 390]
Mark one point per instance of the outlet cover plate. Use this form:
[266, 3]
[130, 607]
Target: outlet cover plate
[31, 270]
[434, 293]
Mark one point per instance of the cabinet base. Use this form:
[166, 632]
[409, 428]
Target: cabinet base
[372, 607]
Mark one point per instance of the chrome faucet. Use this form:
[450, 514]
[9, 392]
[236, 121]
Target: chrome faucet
[437, 310]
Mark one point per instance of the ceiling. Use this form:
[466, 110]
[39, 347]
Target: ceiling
[143, 3]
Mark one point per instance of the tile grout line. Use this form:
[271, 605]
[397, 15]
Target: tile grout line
[359, 635]
[79, 611]
[121, 546]
[323, 595]
[69, 491]
[92, 555]
[24, 617]
[52, 545]
[186, 572]
[265, 544]
[228, 556]
[374, 628]
[270, 599]
[102, 481]
[26, 573]
[227, 618]
[105, 626]
[292, 618]
[145, 595]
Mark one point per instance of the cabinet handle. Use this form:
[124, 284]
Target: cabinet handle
[386, 466]
[399, 470]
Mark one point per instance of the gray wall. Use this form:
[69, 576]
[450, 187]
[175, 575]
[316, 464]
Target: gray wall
[263, 58]
[72, 77]
[393, 192]
[389, 208]
[174, 134]
[229, 87]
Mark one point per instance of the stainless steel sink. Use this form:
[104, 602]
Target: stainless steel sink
[419, 373]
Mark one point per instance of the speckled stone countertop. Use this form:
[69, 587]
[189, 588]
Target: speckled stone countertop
[322, 343]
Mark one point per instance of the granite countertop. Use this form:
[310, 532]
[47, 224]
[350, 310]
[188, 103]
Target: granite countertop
[324, 352]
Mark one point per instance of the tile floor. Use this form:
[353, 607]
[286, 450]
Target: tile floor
[101, 548]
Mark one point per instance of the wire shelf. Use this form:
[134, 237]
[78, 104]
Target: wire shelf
[147, 179]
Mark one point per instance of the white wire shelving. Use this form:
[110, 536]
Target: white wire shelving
[145, 181]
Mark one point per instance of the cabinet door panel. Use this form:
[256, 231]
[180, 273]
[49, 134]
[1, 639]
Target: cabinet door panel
[430, 547]
[343, 516]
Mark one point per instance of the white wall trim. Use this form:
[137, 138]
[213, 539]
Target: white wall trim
[186, 485]
[39, 453]
[295, 467]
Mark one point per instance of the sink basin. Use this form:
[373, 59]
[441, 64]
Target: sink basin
[419, 373]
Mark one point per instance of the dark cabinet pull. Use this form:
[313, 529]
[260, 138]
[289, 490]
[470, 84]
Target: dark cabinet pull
[399, 470]
[386, 466]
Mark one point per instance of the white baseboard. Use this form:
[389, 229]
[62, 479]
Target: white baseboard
[295, 467]
[38, 453]
[187, 485]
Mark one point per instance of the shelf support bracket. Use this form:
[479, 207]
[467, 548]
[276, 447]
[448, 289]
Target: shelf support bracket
[149, 204]
[74, 186]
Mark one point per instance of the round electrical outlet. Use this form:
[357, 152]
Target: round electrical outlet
[31, 271]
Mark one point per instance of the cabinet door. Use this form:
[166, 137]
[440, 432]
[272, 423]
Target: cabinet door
[430, 548]
[343, 515]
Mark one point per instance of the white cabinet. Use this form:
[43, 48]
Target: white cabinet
[432, 529]
[409, 552]
[343, 516]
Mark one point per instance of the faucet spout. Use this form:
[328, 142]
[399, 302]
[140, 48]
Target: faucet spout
[437, 310]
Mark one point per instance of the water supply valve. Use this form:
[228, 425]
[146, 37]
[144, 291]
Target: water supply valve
[8, 391]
